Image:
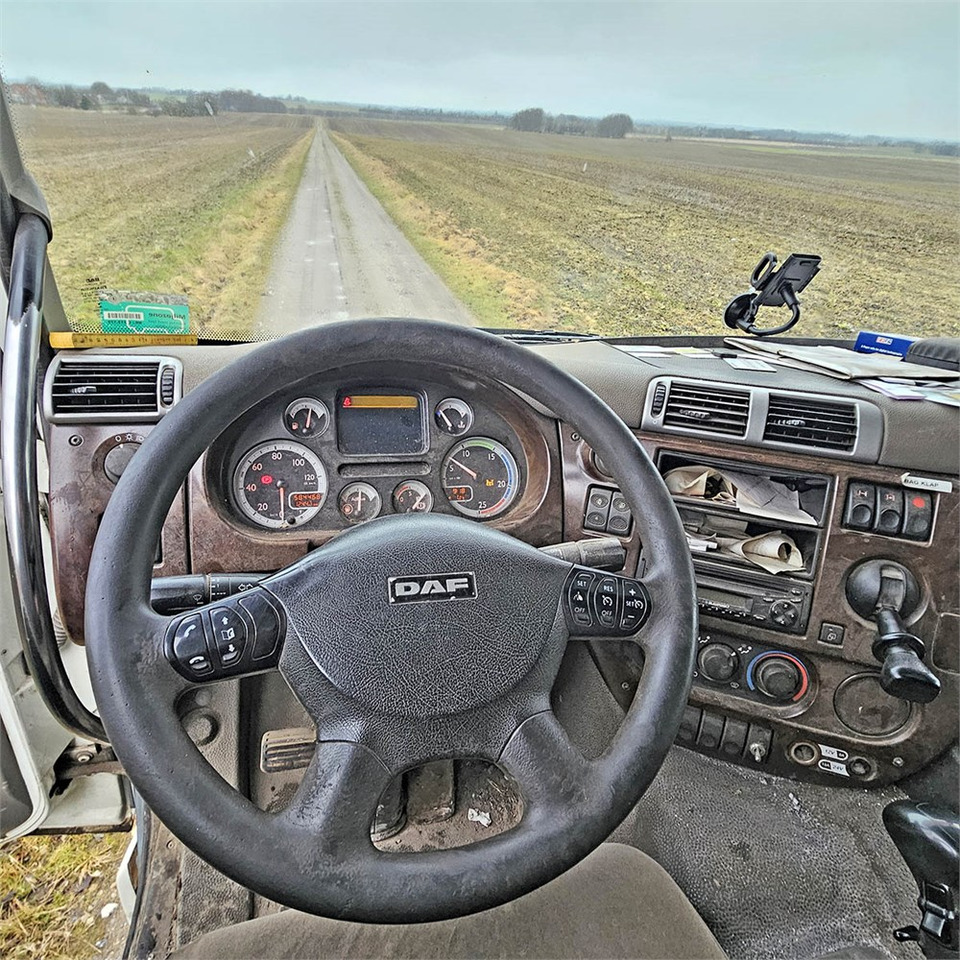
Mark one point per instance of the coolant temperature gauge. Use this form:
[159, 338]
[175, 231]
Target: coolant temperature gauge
[359, 502]
[306, 417]
[453, 416]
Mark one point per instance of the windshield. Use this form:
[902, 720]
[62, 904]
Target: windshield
[241, 170]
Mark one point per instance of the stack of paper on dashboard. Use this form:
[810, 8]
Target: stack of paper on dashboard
[774, 551]
[839, 362]
[749, 493]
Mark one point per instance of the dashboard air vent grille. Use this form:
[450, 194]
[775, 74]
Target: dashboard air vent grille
[707, 409]
[805, 422]
[87, 389]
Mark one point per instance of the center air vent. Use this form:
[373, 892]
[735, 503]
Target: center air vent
[804, 422]
[707, 409]
[97, 389]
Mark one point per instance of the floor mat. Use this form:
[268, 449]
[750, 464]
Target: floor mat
[778, 869]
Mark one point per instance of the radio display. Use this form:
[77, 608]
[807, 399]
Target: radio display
[727, 599]
[377, 423]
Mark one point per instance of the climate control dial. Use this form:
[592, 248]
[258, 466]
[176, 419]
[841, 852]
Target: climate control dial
[779, 676]
[718, 662]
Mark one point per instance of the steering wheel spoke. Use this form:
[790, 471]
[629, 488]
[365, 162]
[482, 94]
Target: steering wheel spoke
[337, 798]
[598, 604]
[233, 637]
[552, 773]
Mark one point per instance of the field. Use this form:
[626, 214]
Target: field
[53, 894]
[165, 204]
[645, 237]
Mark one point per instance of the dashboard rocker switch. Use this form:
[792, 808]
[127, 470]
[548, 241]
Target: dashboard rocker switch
[860, 508]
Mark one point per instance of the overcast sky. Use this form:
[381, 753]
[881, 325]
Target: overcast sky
[854, 67]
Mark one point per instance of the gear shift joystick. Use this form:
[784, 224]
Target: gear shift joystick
[885, 592]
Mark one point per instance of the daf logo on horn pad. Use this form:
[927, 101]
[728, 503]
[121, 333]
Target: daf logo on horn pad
[432, 586]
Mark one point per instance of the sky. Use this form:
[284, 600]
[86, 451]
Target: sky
[889, 68]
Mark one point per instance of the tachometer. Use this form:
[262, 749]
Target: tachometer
[480, 477]
[280, 484]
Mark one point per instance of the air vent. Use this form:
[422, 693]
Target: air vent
[707, 409]
[111, 389]
[805, 422]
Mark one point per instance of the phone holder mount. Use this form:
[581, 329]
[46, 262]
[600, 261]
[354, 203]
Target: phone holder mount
[772, 288]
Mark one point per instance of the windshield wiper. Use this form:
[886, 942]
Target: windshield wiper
[541, 336]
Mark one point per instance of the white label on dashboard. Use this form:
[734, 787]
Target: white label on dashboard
[926, 483]
[832, 752]
[832, 766]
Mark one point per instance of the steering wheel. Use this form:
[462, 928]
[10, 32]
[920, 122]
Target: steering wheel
[391, 683]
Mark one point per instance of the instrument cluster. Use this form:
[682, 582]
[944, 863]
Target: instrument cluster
[329, 458]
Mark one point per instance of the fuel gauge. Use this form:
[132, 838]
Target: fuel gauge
[307, 417]
[453, 416]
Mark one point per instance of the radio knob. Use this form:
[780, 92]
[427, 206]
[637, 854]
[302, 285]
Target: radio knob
[779, 678]
[784, 612]
[718, 662]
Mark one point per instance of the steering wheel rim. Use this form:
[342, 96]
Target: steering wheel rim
[316, 854]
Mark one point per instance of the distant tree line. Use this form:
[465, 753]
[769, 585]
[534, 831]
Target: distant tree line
[185, 103]
[535, 120]
[426, 114]
[669, 131]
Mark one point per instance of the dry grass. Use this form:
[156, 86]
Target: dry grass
[52, 890]
[651, 237]
[173, 205]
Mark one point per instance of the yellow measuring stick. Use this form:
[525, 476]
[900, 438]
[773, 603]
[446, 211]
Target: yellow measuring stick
[60, 340]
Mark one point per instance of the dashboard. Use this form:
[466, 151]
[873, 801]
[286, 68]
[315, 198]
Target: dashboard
[786, 678]
[323, 457]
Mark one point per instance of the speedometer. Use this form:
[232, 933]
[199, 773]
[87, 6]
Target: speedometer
[480, 477]
[280, 484]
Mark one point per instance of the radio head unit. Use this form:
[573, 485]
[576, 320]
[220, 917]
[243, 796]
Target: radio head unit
[764, 601]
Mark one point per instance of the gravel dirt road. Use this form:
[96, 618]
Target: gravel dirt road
[341, 257]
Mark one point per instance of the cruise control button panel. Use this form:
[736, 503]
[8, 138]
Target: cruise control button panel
[603, 605]
[239, 635]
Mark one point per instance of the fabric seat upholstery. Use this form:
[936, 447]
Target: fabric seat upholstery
[616, 903]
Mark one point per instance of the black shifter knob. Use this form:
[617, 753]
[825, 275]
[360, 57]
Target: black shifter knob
[885, 590]
[904, 674]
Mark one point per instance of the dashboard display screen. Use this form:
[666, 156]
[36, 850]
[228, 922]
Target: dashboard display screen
[375, 423]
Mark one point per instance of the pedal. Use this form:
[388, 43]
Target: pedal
[289, 749]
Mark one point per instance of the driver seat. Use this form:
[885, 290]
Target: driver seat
[615, 903]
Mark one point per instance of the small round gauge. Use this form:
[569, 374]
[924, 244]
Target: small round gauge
[480, 477]
[358, 502]
[306, 417]
[412, 496]
[280, 484]
[453, 416]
